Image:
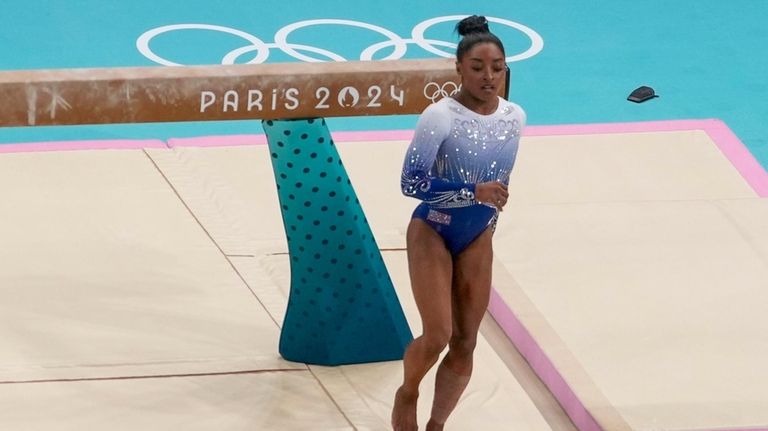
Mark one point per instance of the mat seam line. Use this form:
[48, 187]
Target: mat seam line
[333, 400]
[143, 377]
[210, 237]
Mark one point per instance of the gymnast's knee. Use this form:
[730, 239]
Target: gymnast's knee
[462, 345]
[435, 341]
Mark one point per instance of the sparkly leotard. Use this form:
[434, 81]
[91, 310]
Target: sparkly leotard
[452, 150]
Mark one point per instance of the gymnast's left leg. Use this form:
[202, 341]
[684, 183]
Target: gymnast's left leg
[470, 293]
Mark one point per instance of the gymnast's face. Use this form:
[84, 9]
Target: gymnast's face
[482, 70]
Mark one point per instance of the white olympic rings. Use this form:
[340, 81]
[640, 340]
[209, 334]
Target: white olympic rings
[434, 91]
[400, 44]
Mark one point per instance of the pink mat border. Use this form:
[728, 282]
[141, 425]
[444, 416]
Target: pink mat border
[734, 150]
[730, 145]
[541, 364]
[118, 144]
[218, 141]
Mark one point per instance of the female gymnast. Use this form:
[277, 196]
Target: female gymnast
[458, 165]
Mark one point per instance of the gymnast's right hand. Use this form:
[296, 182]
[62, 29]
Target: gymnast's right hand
[493, 193]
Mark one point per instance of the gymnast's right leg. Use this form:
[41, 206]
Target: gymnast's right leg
[431, 270]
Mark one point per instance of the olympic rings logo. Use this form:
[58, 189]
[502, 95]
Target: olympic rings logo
[434, 91]
[400, 45]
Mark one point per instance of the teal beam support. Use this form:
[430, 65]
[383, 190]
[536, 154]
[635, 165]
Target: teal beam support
[342, 307]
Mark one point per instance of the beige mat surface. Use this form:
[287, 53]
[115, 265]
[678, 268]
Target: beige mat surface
[149, 286]
[601, 218]
[121, 309]
[291, 401]
[677, 165]
[106, 273]
[494, 399]
[659, 303]
[638, 263]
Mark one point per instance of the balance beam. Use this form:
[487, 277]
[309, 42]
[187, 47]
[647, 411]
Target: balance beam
[216, 93]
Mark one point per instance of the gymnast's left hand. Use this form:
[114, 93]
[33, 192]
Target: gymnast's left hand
[492, 193]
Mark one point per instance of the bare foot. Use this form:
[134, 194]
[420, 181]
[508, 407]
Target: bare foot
[404, 411]
[434, 426]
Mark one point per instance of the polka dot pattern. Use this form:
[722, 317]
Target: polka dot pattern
[342, 307]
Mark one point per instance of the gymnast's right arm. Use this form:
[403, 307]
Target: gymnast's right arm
[416, 180]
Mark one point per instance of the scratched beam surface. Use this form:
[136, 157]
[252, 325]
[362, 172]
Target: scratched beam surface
[216, 93]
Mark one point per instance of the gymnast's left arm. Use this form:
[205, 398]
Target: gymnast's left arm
[416, 180]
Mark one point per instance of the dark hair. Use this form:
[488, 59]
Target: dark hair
[473, 30]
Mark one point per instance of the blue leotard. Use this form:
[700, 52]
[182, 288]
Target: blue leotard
[453, 149]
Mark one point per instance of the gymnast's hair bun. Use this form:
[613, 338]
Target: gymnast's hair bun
[472, 24]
